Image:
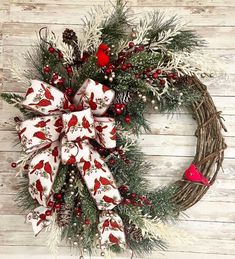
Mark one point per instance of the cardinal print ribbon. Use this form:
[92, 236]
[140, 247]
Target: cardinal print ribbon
[60, 136]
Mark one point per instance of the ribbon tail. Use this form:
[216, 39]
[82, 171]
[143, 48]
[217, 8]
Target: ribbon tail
[38, 219]
[43, 169]
[111, 230]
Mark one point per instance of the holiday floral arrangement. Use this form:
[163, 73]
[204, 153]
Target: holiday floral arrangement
[83, 174]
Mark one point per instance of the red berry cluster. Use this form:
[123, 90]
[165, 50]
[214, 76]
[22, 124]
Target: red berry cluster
[54, 205]
[119, 109]
[133, 198]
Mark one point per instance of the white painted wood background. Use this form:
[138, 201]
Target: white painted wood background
[211, 223]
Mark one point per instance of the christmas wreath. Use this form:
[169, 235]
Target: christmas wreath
[83, 174]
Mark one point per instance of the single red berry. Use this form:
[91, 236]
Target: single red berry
[17, 119]
[133, 195]
[117, 105]
[87, 222]
[124, 67]
[48, 212]
[58, 196]
[42, 216]
[118, 111]
[127, 119]
[141, 48]
[169, 76]
[127, 201]
[155, 75]
[123, 188]
[60, 81]
[107, 71]
[69, 91]
[47, 69]
[134, 203]
[101, 150]
[13, 165]
[131, 44]
[60, 54]
[162, 82]
[69, 70]
[120, 151]
[112, 161]
[122, 106]
[149, 69]
[50, 204]
[51, 49]
[127, 161]
[159, 71]
[129, 65]
[57, 206]
[26, 167]
[79, 107]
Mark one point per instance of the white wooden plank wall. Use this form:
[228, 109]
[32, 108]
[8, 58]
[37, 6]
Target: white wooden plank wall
[210, 225]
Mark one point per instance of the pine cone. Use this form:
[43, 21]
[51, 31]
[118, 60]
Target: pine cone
[70, 37]
[134, 233]
[64, 215]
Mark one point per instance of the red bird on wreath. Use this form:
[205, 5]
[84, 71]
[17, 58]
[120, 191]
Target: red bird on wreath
[102, 55]
[193, 175]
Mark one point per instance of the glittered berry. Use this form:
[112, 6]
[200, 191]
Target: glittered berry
[118, 111]
[69, 70]
[112, 161]
[58, 196]
[124, 67]
[47, 69]
[123, 188]
[127, 119]
[72, 107]
[50, 204]
[48, 212]
[57, 206]
[51, 50]
[162, 82]
[122, 106]
[131, 44]
[133, 195]
[159, 71]
[117, 105]
[13, 165]
[42, 216]
[155, 75]
[87, 222]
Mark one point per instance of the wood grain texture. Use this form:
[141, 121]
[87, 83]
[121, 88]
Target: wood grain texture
[210, 225]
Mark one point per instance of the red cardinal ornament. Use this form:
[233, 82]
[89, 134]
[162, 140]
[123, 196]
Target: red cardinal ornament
[193, 175]
[102, 55]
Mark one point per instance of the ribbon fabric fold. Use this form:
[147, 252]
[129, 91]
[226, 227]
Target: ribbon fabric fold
[60, 136]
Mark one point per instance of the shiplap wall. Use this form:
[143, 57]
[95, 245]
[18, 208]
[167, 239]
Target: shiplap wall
[210, 225]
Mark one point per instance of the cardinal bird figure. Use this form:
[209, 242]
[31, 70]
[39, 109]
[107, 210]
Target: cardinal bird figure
[39, 187]
[72, 122]
[91, 102]
[105, 225]
[105, 181]
[86, 165]
[109, 200]
[86, 124]
[71, 160]
[96, 186]
[193, 175]
[55, 153]
[98, 165]
[41, 124]
[48, 94]
[114, 239]
[102, 55]
[114, 224]
[41, 135]
[48, 169]
[38, 166]
[42, 103]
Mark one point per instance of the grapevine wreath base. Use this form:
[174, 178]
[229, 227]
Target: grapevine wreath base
[83, 175]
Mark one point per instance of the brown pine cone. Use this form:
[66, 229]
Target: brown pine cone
[70, 37]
